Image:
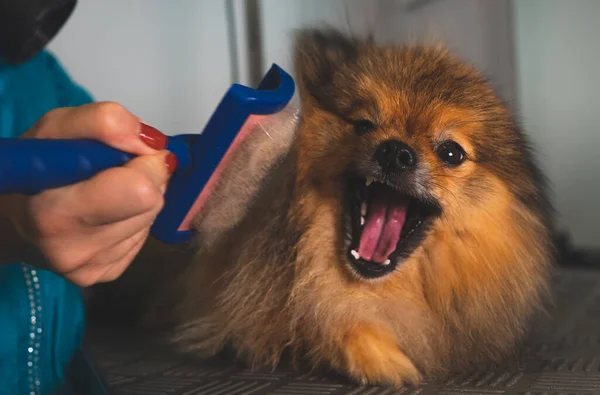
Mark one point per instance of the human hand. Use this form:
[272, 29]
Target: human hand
[90, 232]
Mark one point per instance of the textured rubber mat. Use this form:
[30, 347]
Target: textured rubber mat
[562, 357]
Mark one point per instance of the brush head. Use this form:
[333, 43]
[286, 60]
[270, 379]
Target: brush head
[233, 189]
[209, 152]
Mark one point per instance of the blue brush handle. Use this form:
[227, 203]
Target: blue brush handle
[30, 166]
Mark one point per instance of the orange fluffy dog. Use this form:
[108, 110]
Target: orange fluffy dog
[403, 230]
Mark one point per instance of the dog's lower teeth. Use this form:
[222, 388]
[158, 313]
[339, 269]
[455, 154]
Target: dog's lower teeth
[355, 254]
[362, 221]
[363, 209]
[387, 262]
[369, 181]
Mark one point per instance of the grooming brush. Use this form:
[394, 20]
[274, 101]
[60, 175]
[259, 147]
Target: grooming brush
[30, 166]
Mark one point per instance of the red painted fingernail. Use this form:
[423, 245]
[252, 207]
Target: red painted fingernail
[171, 162]
[152, 137]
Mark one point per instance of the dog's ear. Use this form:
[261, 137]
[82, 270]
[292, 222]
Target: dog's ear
[318, 54]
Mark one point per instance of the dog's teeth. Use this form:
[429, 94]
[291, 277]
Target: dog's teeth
[363, 209]
[362, 221]
[355, 254]
[369, 181]
[387, 262]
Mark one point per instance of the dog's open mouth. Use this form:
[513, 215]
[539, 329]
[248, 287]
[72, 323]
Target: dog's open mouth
[384, 226]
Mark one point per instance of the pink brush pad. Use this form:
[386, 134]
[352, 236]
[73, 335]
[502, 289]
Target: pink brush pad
[212, 181]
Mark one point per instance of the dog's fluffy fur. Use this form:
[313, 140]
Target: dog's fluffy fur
[275, 275]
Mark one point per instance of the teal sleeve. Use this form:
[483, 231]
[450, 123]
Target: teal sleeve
[43, 316]
[69, 93]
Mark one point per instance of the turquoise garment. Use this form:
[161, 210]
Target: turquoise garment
[42, 316]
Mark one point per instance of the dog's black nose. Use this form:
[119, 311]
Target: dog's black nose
[395, 156]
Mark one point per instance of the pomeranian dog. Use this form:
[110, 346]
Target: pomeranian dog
[402, 230]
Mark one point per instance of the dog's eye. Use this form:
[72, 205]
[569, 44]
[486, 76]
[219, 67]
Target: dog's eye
[451, 153]
[363, 126]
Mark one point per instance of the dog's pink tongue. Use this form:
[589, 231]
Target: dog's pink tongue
[382, 228]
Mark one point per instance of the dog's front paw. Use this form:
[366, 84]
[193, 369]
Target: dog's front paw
[372, 356]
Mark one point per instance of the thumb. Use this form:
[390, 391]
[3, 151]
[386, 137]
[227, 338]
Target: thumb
[157, 167]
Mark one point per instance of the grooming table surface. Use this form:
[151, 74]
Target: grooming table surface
[563, 358]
